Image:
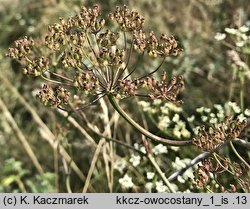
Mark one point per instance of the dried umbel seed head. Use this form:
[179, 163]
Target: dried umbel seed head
[36, 67]
[54, 98]
[128, 20]
[86, 81]
[85, 56]
[163, 47]
[107, 38]
[126, 88]
[206, 168]
[201, 177]
[73, 30]
[164, 90]
[151, 88]
[22, 47]
[208, 140]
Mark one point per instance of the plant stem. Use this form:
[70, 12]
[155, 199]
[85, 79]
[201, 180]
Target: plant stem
[20, 136]
[238, 155]
[242, 82]
[159, 171]
[142, 130]
[93, 163]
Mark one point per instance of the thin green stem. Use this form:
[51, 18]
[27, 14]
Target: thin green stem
[141, 129]
[238, 155]
[154, 70]
[61, 76]
[159, 171]
[55, 82]
[242, 82]
[218, 161]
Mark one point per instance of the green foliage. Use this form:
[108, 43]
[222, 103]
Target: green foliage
[15, 178]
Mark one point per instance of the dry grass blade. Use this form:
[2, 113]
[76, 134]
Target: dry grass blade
[21, 137]
[93, 163]
[50, 136]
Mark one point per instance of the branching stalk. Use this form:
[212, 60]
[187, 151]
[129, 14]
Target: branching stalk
[142, 130]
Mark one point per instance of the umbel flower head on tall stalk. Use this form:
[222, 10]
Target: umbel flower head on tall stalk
[89, 55]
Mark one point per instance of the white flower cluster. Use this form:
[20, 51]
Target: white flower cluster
[126, 182]
[168, 118]
[160, 149]
[218, 113]
[135, 160]
[159, 187]
[120, 164]
[147, 107]
[182, 163]
[140, 147]
[241, 35]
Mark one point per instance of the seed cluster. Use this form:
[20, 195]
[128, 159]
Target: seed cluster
[22, 47]
[209, 167]
[151, 88]
[85, 54]
[73, 29]
[86, 81]
[164, 90]
[36, 66]
[163, 47]
[128, 20]
[54, 98]
[208, 140]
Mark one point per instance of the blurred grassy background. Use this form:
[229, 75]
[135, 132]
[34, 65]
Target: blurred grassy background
[205, 65]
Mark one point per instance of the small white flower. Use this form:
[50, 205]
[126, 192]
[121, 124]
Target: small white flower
[191, 119]
[173, 107]
[180, 179]
[234, 106]
[150, 175]
[220, 36]
[244, 29]
[200, 109]
[136, 146]
[207, 110]
[244, 37]
[196, 130]
[149, 186]
[143, 149]
[187, 191]
[160, 149]
[247, 112]
[232, 31]
[218, 107]
[164, 122]
[185, 133]
[120, 165]
[188, 174]
[178, 164]
[164, 110]
[145, 106]
[176, 149]
[126, 182]
[204, 118]
[241, 117]
[176, 118]
[240, 43]
[220, 114]
[212, 115]
[135, 160]
[157, 102]
[160, 187]
[213, 120]
[176, 131]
